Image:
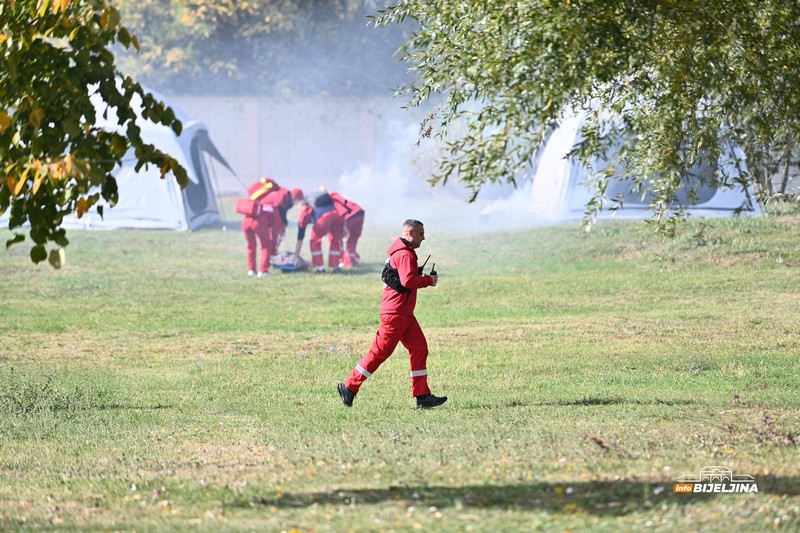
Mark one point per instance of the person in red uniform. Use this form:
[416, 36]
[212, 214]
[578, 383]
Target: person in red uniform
[324, 221]
[281, 200]
[353, 216]
[398, 323]
[259, 228]
[298, 196]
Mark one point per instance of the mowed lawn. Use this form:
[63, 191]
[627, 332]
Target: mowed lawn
[150, 385]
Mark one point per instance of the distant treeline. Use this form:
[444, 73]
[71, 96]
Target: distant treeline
[262, 47]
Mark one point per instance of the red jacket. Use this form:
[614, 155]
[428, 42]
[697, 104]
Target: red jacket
[346, 208]
[404, 259]
[305, 217]
[281, 200]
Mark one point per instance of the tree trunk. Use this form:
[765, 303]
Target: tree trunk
[787, 162]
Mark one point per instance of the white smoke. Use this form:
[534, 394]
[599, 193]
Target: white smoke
[394, 187]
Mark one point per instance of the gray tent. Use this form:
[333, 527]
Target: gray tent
[146, 200]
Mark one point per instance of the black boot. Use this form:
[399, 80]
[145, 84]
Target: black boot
[426, 401]
[347, 395]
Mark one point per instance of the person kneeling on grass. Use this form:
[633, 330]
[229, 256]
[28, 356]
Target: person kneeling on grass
[402, 277]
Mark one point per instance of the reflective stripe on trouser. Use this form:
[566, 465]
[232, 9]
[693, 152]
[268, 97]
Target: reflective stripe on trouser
[332, 225]
[394, 329]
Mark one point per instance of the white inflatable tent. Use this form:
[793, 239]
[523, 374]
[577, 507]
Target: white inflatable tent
[145, 200]
[560, 190]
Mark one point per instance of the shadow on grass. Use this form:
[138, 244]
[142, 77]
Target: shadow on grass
[585, 402]
[125, 407]
[615, 401]
[363, 269]
[600, 498]
[371, 269]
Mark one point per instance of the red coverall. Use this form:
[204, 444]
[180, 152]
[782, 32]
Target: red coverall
[353, 216]
[281, 200]
[323, 223]
[259, 229]
[398, 324]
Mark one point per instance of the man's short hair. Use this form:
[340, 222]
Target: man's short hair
[412, 223]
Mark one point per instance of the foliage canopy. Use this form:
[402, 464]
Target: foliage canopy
[672, 80]
[262, 47]
[54, 159]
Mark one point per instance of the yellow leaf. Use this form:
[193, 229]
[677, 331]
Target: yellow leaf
[21, 183]
[37, 181]
[82, 207]
[42, 8]
[11, 183]
[35, 118]
[60, 5]
[57, 171]
[68, 165]
[5, 121]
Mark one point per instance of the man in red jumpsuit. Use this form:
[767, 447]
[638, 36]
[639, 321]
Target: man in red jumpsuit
[260, 227]
[398, 323]
[353, 216]
[324, 221]
[281, 201]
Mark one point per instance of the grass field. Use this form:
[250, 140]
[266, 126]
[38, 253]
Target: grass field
[150, 385]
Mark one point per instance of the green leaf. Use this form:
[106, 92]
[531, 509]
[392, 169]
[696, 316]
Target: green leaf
[110, 192]
[38, 254]
[124, 37]
[17, 238]
[56, 258]
[60, 238]
[119, 145]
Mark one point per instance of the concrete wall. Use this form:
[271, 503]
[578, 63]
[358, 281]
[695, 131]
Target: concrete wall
[366, 149]
[302, 143]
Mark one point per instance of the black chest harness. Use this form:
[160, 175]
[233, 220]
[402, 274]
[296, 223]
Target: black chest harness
[391, 277]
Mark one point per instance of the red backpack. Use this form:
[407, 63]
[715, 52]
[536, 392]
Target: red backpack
[248, 207]
[251, 206]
